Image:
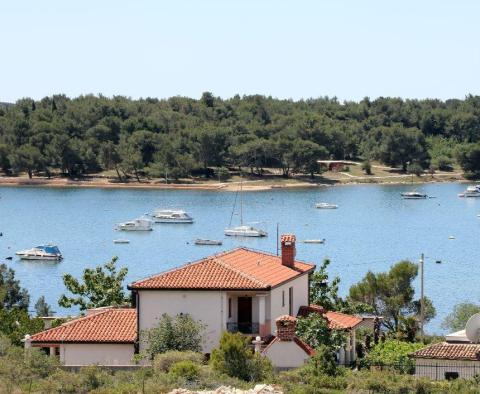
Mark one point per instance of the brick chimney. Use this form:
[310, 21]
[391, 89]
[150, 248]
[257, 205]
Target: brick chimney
[286, 327]
[288, 249]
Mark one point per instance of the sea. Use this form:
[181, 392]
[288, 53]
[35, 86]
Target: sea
[372, 229]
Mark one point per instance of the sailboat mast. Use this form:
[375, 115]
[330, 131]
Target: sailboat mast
[241, 203]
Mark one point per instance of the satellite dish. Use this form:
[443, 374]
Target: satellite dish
[472, 329]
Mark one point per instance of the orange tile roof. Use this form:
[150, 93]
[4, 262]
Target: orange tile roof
[450, 351]
[106, 326]
[336, 320]
[238, 269]
[303, 345]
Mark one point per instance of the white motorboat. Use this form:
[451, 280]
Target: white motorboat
[242, 230]
[121, 241]
[413, 195]
[245, 231]
[171, 216]
[202, 241]
[42, 252]
[140, 224]
[325, 205]
[472, 191]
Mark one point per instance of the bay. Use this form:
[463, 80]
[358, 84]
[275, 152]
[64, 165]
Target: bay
[372, 229]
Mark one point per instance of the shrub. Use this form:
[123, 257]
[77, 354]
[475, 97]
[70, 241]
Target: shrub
[323, 362]
[180, 333]
[234, 358]
[367, 167]
[164, 361]
[185, 369]
[392, 353]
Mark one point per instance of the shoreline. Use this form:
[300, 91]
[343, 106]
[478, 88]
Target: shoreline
[248, 185]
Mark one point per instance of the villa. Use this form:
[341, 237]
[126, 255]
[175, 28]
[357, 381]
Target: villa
[240, 290]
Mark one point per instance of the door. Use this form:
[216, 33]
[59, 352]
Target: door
[244, 317]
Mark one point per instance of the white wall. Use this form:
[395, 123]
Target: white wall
[101, 354]
[300, 297]
[435, 369]
[286, 354]
[209, 307]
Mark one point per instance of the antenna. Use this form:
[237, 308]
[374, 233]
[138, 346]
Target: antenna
[472, 328]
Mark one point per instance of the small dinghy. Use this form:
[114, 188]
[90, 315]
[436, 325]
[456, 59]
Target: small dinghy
[314, 241]
[121, 241]
[325, 205]
[201, 241]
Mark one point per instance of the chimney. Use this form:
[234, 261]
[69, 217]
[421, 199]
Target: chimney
[288, 249]
[286, 327]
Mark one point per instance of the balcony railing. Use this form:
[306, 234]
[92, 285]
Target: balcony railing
[244, 328]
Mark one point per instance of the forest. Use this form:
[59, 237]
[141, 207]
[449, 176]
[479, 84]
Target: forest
[183, 137]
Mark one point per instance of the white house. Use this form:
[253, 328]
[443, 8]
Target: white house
[241, 290]
[456, 357]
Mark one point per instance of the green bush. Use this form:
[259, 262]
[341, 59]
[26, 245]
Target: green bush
[181, 333]
[235, 358]
[232, 356]
[164, 361]
[367, 167]
[392, 353]
[323, 362]
[223, 173]
[185, 369]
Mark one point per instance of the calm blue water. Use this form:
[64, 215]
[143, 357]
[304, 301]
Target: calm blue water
[372, 229]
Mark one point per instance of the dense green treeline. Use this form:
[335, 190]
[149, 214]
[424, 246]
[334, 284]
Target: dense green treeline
[182, 136]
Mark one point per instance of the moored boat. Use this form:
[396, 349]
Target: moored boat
[171, 216]
[140, 224]
[121, 241]
[472, 191]
[245, 231]
[413, 195]
[325, 205]
[202, 241]
[41, 252]
[314, 241]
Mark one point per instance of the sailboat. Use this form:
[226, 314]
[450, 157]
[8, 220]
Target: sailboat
[243, 230]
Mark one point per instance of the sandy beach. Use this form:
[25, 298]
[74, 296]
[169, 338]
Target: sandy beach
[247, 185]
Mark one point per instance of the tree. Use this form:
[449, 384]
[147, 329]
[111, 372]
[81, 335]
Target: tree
[367, 167]
[26, 158]
[12, 296]
[458, 318]
[390, 294]
[100, 286]
[468, 156]
[181, 333]
[324, 293]
[42, 308]
[305, 155]
[313, 329]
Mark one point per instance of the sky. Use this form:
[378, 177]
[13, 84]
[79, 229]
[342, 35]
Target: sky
[349, 49]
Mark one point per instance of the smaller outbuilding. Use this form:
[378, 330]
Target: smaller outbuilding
[286, 350]
[456, 357]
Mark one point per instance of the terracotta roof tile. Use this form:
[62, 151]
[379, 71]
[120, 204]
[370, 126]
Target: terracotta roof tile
[236, 269]
[450, 351]
[110, 325]
[336, 320]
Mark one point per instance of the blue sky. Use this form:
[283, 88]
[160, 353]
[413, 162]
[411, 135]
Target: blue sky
[286, 49]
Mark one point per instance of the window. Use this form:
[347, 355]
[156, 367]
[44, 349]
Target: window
[283, 298]
[290, 301]
[229, 308]
[451, 375]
